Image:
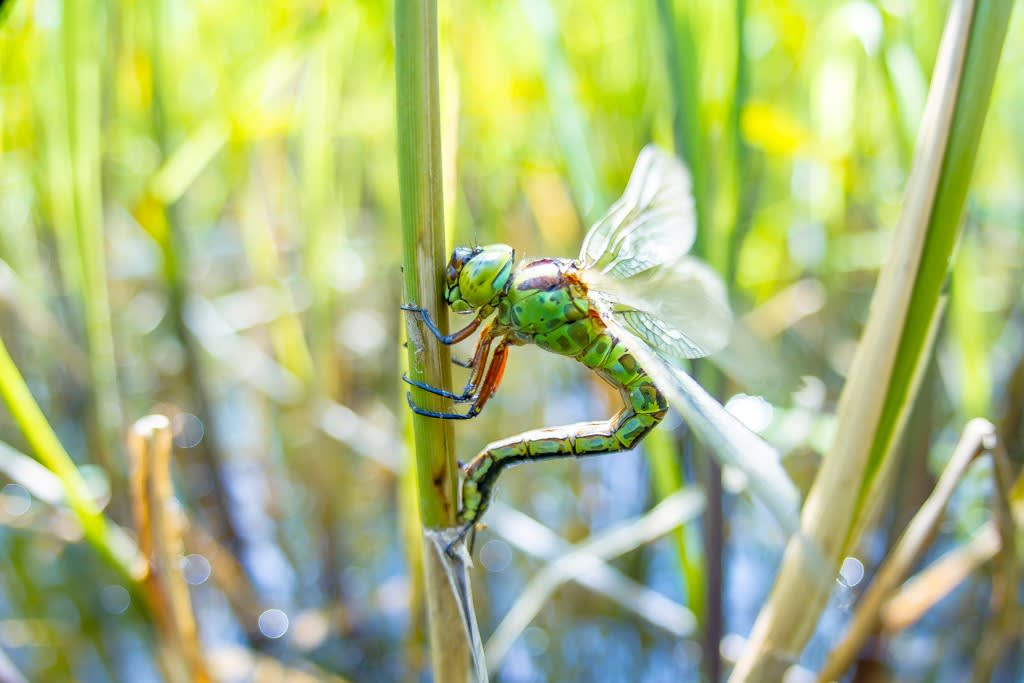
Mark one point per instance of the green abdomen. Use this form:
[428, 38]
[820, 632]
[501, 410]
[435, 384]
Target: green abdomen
[645, 404]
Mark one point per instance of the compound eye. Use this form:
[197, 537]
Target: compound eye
[461, 255]
[452, 272]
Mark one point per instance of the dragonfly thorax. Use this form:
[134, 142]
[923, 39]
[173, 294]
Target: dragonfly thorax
[476, 277]
[546, 304]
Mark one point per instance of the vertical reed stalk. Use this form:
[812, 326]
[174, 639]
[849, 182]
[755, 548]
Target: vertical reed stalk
[257, 208]
[688, 127]
[423, 251]
[681, 61]
[80, 33]
[319, 199]
[664, 457]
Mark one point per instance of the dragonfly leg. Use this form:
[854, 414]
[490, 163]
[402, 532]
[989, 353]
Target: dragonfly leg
[458, 398]
[466, 528]
[468, 415]
[645, 407]
[446, 339]
[495, 370]
[478, 363]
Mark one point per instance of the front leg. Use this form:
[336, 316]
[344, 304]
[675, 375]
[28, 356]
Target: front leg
[446, 339]
[478, 364]
[495, 370]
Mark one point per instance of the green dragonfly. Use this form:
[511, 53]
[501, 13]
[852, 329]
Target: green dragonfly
[631, 307]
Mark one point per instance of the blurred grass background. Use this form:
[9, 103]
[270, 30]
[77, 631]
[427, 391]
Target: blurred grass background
[199, 217]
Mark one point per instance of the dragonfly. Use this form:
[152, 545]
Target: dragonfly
[633, 307]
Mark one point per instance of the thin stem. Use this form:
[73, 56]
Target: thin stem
[119, 553]
[82, 77]
[978, 437]
[159, 528]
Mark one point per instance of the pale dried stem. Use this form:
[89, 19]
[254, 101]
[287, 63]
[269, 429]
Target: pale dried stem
[228, 574]
[926, 588]
[979, 437]
[158, 523]
[587, 558]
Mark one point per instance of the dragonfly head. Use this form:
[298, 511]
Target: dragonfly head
[476, 276]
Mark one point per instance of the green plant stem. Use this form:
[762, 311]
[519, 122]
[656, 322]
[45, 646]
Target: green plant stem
[663, 455]
[79, 27]
[423, 249]
[423, 257]
[49, 451]
[985, 42]
[320, 193]
[688, 128]
[681, 60]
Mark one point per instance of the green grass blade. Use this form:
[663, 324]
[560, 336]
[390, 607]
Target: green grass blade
[268, 267]
[324, 224]
[80, 26]
[895, 343]
[681, 59]
[160, 217]
[667, 478]
[987, 32]
[49, 451]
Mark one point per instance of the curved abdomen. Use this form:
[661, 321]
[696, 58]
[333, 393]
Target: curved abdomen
[644, 407]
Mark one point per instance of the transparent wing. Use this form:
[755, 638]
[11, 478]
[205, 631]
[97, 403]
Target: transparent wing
[725, 436]
[653, 223]
[681, 310]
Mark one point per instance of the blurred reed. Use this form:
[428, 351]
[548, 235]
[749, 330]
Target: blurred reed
[106, 538]
[723, 190]
[157, 212]
[85, 242]
[568, 119]
[664, 457]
